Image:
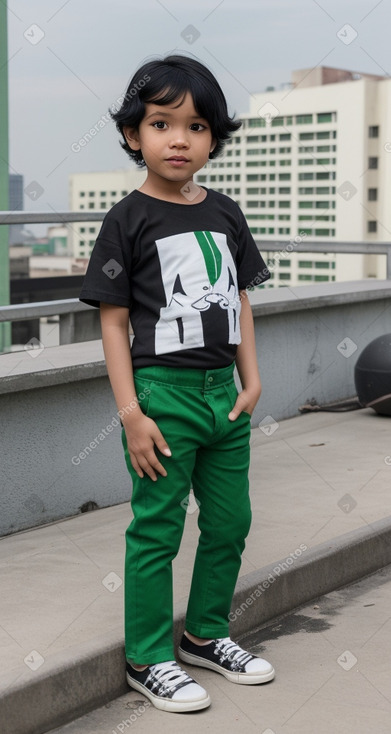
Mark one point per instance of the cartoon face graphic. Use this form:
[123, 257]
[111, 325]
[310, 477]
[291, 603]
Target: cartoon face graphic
[197, 271]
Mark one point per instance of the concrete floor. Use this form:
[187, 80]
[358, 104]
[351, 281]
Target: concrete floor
[332, 675]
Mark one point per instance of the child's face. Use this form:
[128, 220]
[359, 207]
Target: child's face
[175, 141]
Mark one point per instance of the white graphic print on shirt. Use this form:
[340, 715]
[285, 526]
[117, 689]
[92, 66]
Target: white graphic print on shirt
[197, 270]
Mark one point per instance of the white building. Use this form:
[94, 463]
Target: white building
[97, 191]
[314, 161]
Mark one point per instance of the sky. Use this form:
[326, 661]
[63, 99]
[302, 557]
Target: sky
[69, 61]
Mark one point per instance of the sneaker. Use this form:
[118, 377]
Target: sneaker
[227, 658]
[168, 687]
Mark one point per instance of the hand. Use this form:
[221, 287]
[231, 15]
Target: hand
[142, 435]
[246, 401]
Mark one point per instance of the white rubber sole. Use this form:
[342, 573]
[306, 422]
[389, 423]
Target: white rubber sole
[167, 704]
[248, 679]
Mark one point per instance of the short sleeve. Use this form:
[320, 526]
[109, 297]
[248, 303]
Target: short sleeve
[107, 276]
[251, 267]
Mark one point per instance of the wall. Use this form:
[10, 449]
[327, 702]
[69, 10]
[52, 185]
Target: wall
[54, 406]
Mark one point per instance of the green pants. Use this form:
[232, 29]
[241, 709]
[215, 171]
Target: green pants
[211, 454]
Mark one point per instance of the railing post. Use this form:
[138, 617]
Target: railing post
[388, 257]
[67, 328]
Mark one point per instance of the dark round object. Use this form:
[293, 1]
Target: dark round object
[372, 375]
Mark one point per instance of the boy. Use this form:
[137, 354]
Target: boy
[178, 258]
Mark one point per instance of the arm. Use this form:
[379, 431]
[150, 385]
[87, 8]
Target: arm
[141, 432]
[246, 363]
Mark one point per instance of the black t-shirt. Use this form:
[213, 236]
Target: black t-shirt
[179, 269]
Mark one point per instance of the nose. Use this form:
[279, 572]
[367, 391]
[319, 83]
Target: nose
[179, 139]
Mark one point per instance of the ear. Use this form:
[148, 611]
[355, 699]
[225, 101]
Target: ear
[132, 137]
[213, 145]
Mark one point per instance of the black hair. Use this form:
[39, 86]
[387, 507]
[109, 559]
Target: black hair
[167, 80]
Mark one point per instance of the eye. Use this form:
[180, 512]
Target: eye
[197, 127]
[159, 124]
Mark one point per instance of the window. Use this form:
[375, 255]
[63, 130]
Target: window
[91, 193]
[252, 138]
[306, 176]
[306, 136]
[373, 131]
[306, 190]
[285, 136]
[305, 264]
[321, 233]
[82, 229]
[372, 194]
[305, 277]
[303, 119]
[276, 121]
[284, 204]
[323, 136]
[321, 278]
[322, 265]
[285, 276]
[284, 190]
[285, 263]
[324, 116]
[372, 226]
[91, 205]
[103, 193]
[284, 176]
[92, 230]
[322, 204]
[256, 122]
[82, 193]
[372, 162]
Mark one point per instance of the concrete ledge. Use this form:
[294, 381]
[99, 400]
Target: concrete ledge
[91, 674]
[268, 301]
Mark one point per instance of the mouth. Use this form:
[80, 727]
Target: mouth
[178, 159]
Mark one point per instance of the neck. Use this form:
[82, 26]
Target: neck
[178, 192]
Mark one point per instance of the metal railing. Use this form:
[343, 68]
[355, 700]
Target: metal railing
[67, 308]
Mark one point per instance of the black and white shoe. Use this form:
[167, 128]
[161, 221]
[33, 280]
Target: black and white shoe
[168, 687]
[227, 658]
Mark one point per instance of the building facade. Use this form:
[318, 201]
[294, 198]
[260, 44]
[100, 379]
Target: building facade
[97, 191]
[313, 163]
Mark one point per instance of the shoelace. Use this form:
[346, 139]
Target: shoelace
[232, 652]
[168, 675]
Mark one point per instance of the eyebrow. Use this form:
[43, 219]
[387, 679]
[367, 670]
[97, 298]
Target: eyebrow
[170, 114]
